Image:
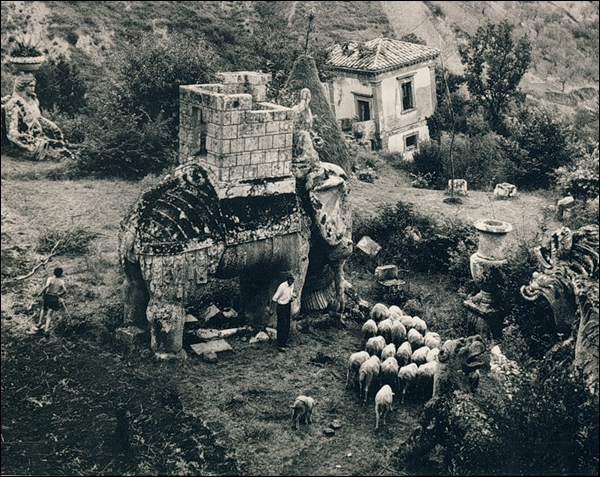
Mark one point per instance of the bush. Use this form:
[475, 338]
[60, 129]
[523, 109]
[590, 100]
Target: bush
[580, 178]
[127, 146]
[60, 85]
[151, 70]
[412, 240]
[547, 147]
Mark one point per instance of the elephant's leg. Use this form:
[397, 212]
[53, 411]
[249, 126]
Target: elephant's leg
[166, 327]
[299, 271]
[135, 295]
[339, 280]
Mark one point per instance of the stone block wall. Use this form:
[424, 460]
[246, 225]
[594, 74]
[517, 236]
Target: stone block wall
[242, 140]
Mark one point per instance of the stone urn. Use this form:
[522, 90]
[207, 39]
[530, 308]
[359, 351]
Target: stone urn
[26, 64]
[484, 262]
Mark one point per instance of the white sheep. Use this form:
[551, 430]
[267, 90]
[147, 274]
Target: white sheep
[369, 329]
[354, 363]
[383, 404]
[404, 353]
[420, 325]
[302, 410]
[369, 374]
[379, 312]
[433, 354]
[398, 333]
[375, 345]
[388, 351]
[425, 379]
[415, 338]
[395, 309]
[389, 372]
[406, 376]
[432, 340]
[419, 356]
[408, 322]
[385, 329]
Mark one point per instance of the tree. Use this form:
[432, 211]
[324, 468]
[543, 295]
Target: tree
[494, 66]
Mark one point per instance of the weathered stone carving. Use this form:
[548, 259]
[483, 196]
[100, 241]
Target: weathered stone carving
[569, 281]
[26, 128]
[256, 225]
[453, 418]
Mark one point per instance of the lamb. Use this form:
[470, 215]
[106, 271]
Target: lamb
[406, 375]
[404, 354]
[354, 363]
[395, 309]
[398, 333]
[432, 340]
[415, 338]
[420, 325]
[419, 357]
[368, 374]
[375, 345]
[383, 404]
[433, 354]
[408, 322]
[392, 315]
[385, 329]
[389, 372]
[379, 312]
[302, 410]
[388, 351]
[425, 379]
[369, 329]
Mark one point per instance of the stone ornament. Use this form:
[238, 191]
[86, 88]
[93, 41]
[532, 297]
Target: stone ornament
[460, 186]
[26, 128]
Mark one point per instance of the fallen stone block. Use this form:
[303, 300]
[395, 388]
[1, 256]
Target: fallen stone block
[232, 331]
[504, 191]
[211, 313]
[563, 206]
[386, 272]
[131, 336]
[368, 246]
[261, 336]
[191, 319]
[272, 332]
[329, 432]
[215, 346]
[207, 334]
[210, 357]
[335, 424]
[460, 186]
[229, 313]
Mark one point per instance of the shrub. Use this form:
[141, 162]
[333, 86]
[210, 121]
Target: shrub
[413, 240]
[60, 85]
[547, 146]
[428, 160]
[580, 178]
[583, 213]
[127, 146]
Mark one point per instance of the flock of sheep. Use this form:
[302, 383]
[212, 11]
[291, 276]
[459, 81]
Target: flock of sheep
[400, 355]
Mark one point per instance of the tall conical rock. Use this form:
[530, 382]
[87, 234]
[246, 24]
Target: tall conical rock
[304, 74]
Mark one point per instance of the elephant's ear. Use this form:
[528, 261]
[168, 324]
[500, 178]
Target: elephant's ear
[328, 192]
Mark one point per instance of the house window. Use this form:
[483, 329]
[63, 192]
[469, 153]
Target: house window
[410, 142]
[363, 110]
[201, 124]
[408, 97]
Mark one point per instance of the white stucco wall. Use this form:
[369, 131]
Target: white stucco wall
[343, 97]
[393, 117]
[396, 142]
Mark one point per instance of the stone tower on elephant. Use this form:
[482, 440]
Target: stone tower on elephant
[239, 205]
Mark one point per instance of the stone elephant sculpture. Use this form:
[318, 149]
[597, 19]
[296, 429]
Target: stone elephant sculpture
[180, 234]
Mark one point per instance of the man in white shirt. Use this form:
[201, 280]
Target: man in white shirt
[283, 297]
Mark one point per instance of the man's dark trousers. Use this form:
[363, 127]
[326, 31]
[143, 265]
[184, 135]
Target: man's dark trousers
[283, 323]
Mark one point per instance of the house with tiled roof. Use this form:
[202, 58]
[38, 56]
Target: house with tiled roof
[384, 90]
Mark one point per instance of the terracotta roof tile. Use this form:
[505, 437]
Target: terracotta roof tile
[379, 55]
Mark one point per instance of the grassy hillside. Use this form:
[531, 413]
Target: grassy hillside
[564, 35]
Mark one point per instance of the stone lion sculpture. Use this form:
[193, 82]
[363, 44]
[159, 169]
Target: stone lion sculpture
[26, 128]
[569, 282]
